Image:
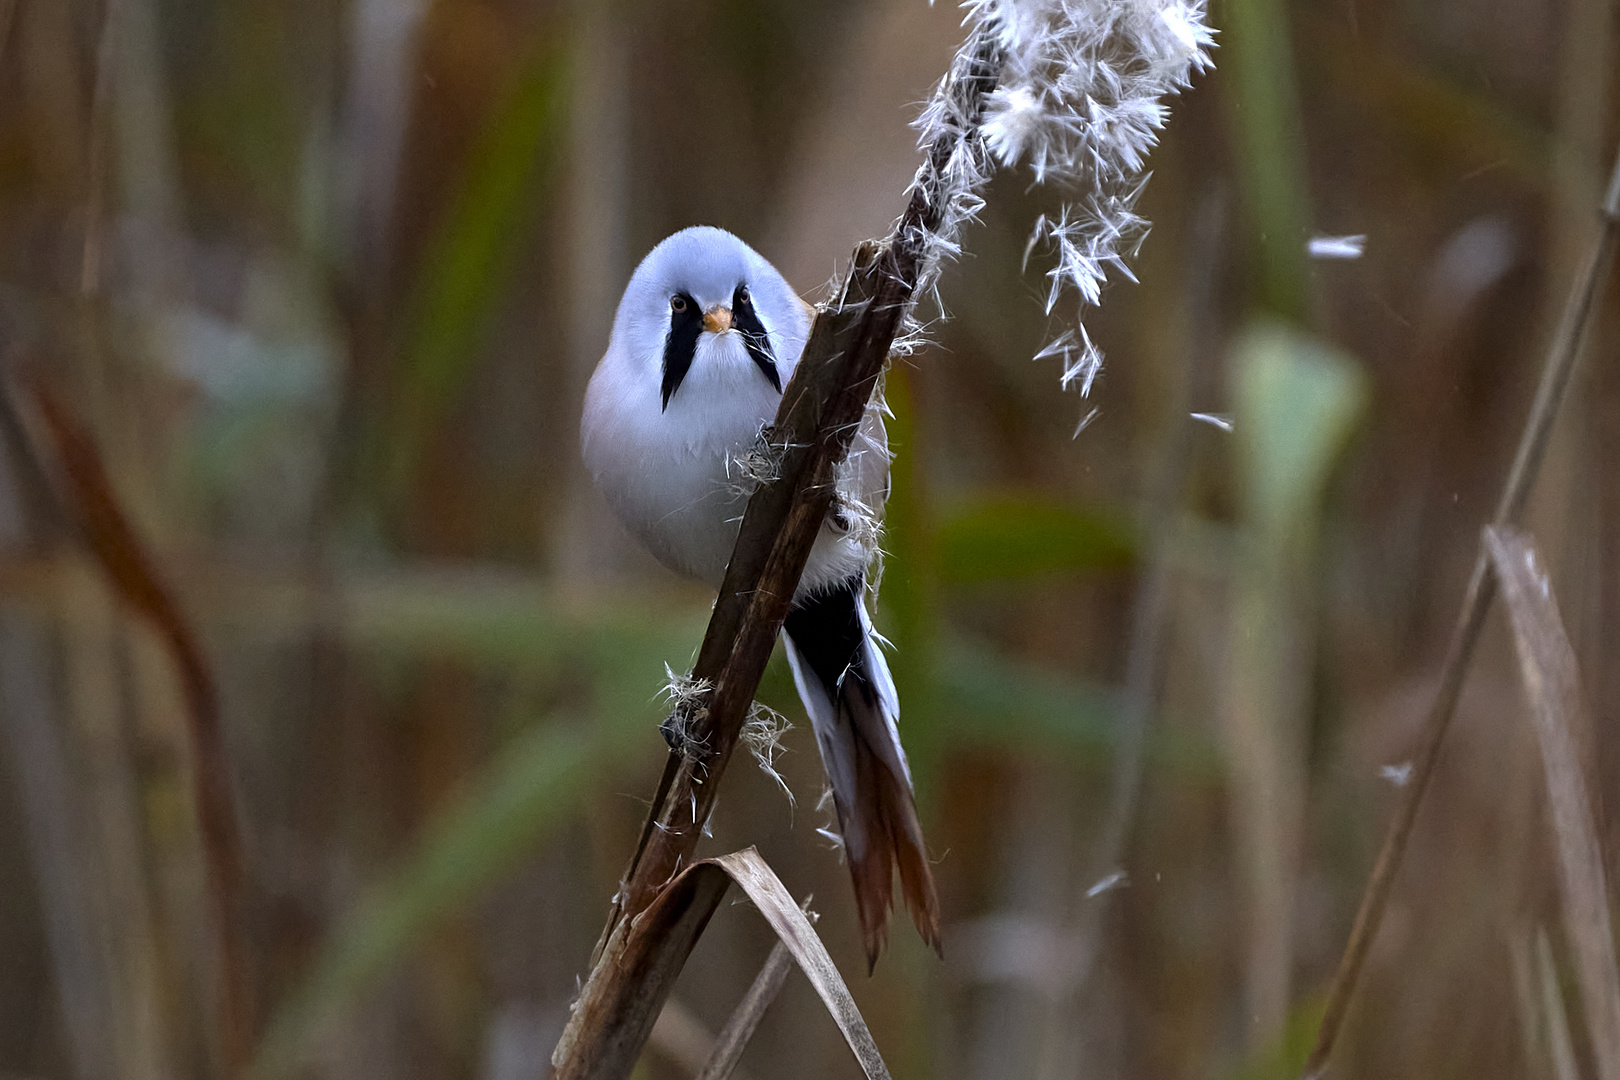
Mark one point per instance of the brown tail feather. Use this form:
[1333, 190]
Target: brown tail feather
[850, 695]
[890, 838]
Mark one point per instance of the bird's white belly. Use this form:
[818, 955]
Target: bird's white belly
[686, 510]
[671, 474]
[684, 505]
[664, 469]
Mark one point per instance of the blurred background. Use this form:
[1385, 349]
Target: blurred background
[323, 280]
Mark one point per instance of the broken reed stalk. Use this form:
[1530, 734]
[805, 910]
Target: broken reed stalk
[1560, 365]
[821, 408]
[733, 1038]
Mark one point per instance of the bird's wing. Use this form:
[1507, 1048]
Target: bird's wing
[864, 476]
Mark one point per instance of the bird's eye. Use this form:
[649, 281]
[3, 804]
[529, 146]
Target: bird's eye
[677, 304]
[742, 295]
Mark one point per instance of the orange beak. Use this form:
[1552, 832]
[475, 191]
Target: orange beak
[717, 319]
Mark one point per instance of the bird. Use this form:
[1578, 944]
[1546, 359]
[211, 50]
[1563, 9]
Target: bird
[704, 339]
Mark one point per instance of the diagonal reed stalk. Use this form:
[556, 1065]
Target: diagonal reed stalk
[1482, 586]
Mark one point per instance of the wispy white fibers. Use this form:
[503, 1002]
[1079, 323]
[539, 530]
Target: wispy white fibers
[945, 194]
[1081, 102]
[1336, 247]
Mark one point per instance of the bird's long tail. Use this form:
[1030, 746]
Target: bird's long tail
[850, 696]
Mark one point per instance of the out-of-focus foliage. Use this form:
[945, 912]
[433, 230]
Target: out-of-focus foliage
[326, 280]
[1007, 538]
[509, 177]
[527, 792]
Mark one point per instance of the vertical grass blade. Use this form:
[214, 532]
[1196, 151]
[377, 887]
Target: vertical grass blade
[1270, 139]
[1297, 401]
[468, 262]
[34, 738]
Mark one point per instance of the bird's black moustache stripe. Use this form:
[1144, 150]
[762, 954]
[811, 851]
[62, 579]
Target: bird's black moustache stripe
[745, 320]
[685, 327]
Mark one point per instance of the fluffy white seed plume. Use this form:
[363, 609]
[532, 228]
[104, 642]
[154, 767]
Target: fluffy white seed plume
[944, 195]
[1081, 101]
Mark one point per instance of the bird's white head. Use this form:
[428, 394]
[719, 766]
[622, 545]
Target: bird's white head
[705, 339]
[705, 315]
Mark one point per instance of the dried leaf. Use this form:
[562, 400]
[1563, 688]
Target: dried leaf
[641, 961]
[792, 925]
[1548, 665]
